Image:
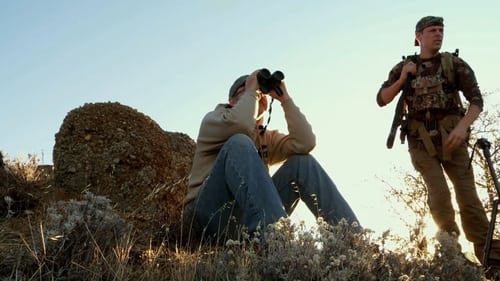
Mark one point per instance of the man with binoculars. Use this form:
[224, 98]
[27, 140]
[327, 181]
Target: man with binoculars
[230, 185]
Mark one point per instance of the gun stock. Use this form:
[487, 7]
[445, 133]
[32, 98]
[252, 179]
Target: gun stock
[396, 120]
[399, 110]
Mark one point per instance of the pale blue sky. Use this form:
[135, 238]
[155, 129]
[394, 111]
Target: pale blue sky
[174, 60]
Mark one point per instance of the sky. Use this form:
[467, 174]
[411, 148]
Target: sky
[175, 60]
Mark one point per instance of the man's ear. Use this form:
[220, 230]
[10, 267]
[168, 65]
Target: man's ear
[418, 36]
[232, 101]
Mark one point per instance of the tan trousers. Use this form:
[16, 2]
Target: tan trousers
[473, 216]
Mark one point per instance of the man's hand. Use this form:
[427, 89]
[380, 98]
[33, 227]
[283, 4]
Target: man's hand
[456, 138]
[409, 68]
[386, 95]
[459, 134]
[283, 97]
[251, 83]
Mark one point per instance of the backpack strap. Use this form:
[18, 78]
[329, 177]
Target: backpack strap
[447, 67]
[444, 126]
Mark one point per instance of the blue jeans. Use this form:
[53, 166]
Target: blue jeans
[240, 191]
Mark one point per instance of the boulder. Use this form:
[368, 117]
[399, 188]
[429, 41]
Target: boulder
[115, 151]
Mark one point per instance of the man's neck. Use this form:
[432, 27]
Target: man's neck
[428, 54]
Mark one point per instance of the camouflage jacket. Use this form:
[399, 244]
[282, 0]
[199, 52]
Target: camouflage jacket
[463, 79]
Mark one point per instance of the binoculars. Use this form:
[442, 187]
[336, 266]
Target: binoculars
[269, 82]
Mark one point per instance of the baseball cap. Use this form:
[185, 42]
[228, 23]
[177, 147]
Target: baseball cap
[426, 22]
[236, 85]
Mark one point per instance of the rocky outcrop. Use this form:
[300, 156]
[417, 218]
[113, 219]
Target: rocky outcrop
[115, 151]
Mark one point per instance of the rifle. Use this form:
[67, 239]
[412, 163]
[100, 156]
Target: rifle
[399, 113]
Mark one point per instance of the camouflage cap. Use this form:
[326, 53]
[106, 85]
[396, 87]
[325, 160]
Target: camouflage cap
[426, 22]
[236, 85]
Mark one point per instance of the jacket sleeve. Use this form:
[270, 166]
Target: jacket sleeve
[223, 122]
[299, 140]
[393, 77]
[216, 127]
[467, 82]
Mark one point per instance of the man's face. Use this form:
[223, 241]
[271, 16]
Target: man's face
[431, 37]
[263, 103]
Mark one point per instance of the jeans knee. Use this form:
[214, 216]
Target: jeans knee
[301, 158]
[239, 140]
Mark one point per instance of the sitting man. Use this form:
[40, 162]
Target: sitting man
[230, 184]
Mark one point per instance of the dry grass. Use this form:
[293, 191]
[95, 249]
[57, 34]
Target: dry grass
[87, 240]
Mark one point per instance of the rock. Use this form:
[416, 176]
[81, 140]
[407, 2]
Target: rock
[2, 171]
[115, 151]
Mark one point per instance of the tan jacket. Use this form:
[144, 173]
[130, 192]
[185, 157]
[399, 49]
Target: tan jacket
[224, 121]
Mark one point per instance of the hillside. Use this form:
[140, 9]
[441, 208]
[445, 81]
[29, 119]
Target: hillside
[110, 209]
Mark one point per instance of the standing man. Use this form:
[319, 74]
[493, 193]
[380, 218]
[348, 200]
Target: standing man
[230, 185]
[437, 128]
